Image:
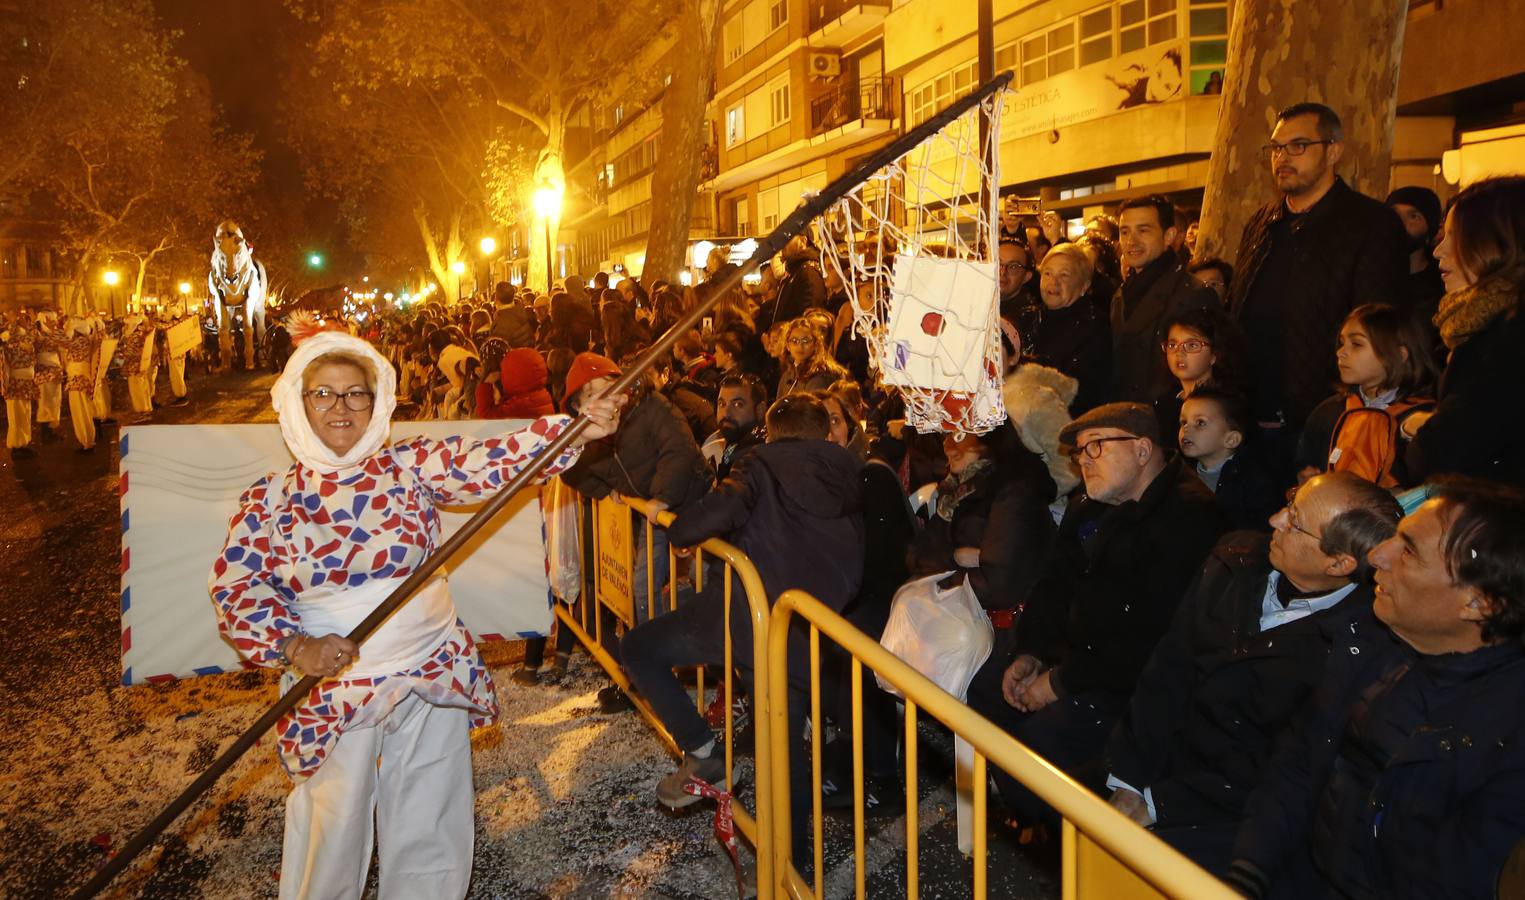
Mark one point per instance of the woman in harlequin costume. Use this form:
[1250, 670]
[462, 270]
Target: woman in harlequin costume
[380, 749]
[81, 348]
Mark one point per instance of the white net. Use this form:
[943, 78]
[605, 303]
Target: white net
[916, 246]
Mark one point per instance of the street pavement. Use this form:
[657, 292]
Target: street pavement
[564, 792]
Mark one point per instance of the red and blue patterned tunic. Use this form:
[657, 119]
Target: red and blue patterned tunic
[309, 531]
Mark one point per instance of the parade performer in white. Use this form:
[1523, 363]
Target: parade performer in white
[176, 314]
[137, 348]
[236, 285]
[81, 348]
[381, 748]
[18, 383]
[50, 373]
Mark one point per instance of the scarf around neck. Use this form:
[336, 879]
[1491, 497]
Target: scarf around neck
[1470, 310]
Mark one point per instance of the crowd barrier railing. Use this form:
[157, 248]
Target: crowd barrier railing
[1104, 854]
[587, 620]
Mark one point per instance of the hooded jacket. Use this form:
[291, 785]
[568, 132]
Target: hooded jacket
[793, 507]
[522, 387]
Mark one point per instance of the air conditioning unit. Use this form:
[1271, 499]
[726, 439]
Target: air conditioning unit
[824, 63]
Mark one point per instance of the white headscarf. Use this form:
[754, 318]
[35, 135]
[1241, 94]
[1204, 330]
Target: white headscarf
[286, 396]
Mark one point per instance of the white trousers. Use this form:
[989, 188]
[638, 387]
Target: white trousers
[406, 784]
[18, 415]
[49, 403]
[177, 376]
[140, 393]
[82, 415]
[101, 399]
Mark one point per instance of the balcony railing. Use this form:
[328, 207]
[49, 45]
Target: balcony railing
[865, 98]
[824, 11]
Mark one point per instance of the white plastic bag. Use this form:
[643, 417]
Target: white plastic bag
[563, 540]
[942, 633]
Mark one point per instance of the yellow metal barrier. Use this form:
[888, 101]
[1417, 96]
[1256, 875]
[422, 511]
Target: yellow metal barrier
[1104, 853]
[584, 621]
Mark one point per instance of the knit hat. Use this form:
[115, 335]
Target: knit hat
[1134, 418]
[1422, 199]
[585, 368]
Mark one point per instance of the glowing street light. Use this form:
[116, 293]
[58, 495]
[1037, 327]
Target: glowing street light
[315, 260]
[185, 288]
[112, 277]
[548, 207]
[489, 246]
[458, 267]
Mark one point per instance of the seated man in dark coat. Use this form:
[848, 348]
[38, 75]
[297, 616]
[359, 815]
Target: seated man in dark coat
[1245, 650]
[1123, 557]
[792, 506]
[1405, 777]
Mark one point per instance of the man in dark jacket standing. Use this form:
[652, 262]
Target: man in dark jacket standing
[1245, 650]
[792, 506]
[1121, 562]
[1305, 261]
[1156, 287]
[510, 321]
[1406, 776]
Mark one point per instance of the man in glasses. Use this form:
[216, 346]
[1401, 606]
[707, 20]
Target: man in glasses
[1405, 775]
[1307, 259]
[1121, 562]
[1016, 271]
[1245, 650]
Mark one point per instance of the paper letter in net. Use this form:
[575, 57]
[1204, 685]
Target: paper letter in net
[939, 321]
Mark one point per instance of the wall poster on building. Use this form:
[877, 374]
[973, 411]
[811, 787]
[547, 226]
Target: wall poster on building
[1154, 74]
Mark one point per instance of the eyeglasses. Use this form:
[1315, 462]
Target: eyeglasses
[801, 341]
[324, 399]
[1292, 523]
[1193, 346]
[1092, 449]
[1014, 267]
[1290, 148]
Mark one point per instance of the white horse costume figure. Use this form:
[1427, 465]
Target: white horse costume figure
[236, 286]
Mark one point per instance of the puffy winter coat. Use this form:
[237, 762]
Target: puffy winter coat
[521, 392]
[652, 456]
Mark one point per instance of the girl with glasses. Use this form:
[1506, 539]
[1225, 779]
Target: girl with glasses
[1200, 346]
[807, 364]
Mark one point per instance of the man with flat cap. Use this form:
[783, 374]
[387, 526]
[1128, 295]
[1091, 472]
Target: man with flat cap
[1126, 551]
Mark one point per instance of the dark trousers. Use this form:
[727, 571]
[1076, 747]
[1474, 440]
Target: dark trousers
[1071, 733]
[694, 635]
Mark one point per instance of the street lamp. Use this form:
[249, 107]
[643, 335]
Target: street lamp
[185, 288]
[548, 206]
[488, 245]
[459, 268]
[315, 260]
[111, 278]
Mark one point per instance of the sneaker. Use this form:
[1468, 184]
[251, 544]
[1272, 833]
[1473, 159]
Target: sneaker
[526, 676]
[180, 401]
[613, 700]
[709, 769]
[883, 796]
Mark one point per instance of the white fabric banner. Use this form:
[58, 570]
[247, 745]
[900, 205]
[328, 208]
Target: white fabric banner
[180, 485]
[183, 336]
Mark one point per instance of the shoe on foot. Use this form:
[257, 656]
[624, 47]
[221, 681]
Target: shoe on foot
[22, 452]
[613, 700]
[526, 676]
[709, 769]
[180, 401]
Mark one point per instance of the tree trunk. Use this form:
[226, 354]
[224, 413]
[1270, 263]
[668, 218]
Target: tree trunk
[550, 173]
[1345, 55]
[680, 153]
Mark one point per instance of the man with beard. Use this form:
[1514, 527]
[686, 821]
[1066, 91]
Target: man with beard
[740, 399]
[1309, 257]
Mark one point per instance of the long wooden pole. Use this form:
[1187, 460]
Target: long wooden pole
[766, 248]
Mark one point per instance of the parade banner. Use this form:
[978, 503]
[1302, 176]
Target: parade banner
[183, 336]
[616, 571]
[180, 484]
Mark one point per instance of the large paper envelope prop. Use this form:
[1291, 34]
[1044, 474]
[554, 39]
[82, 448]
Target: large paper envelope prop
[939, 323]
[180, 485]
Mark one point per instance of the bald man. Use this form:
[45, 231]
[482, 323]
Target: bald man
[1246, 648]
